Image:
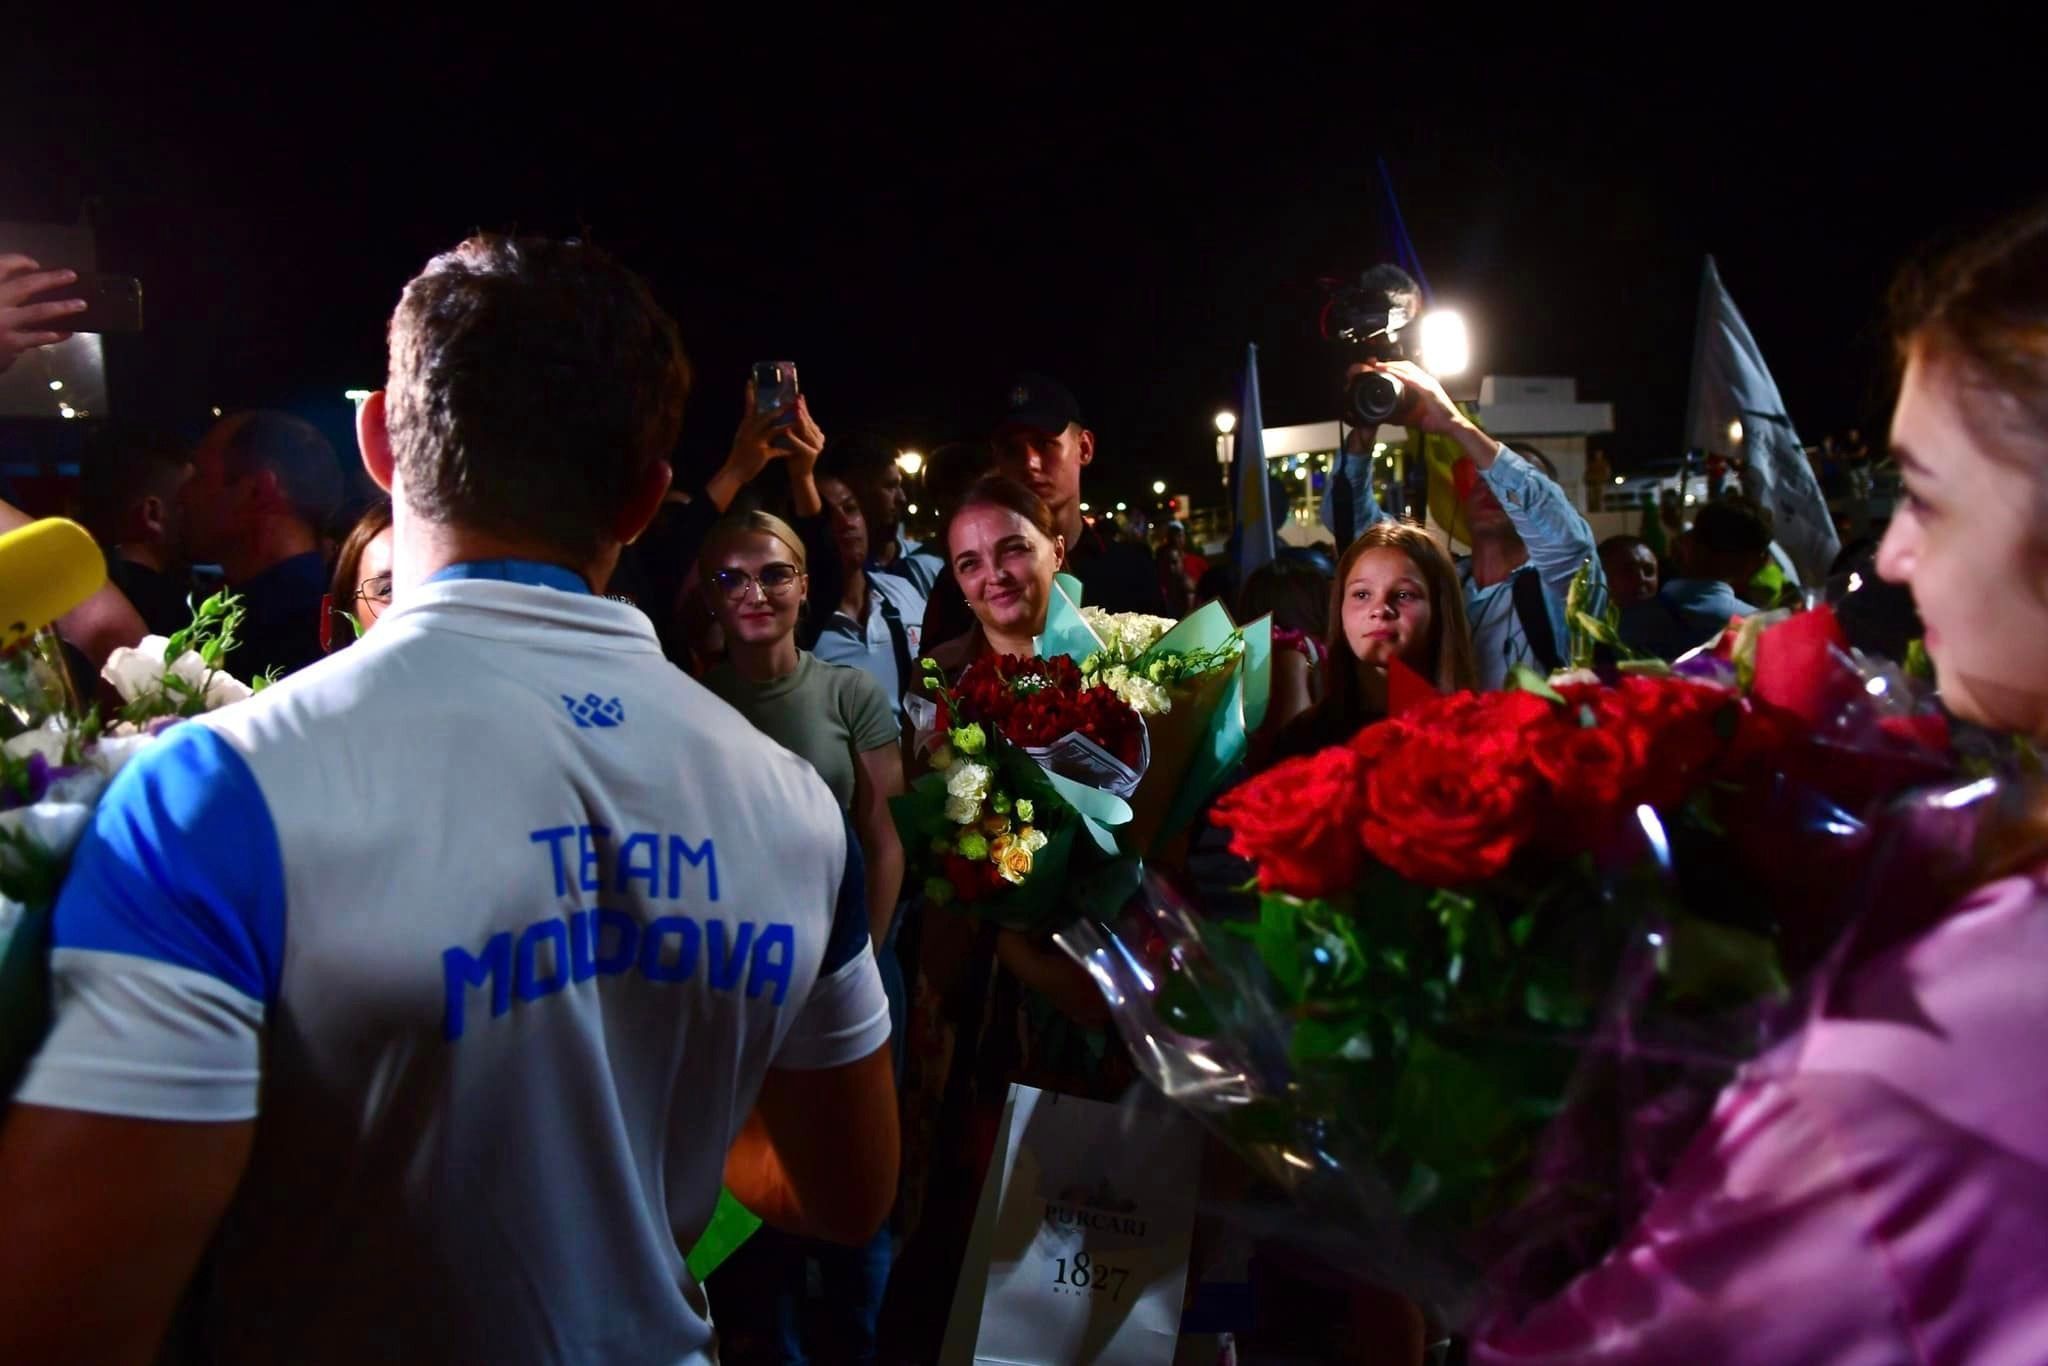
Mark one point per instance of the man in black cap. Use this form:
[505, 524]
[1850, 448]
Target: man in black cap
[1042, 443]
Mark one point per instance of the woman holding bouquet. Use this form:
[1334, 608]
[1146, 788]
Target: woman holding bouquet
[989, 1006]
[1876, 1188]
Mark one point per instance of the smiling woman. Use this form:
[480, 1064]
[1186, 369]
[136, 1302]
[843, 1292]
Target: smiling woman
[1004, 551]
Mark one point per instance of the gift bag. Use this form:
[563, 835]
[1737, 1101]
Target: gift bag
[1079, 1254]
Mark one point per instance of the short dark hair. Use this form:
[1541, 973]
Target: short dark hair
[1296, 592]
[308, 472]
[119, 467]
[1392, 281]
[1737, 525]
[533, 382]
[855, 458]
[1622, 545]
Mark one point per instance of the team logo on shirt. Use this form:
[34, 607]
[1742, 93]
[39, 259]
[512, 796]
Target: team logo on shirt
[593, 712]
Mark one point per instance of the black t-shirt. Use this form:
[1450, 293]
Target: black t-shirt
[281, 630]
[161, 600]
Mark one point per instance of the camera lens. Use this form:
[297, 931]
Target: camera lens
[1372, 399]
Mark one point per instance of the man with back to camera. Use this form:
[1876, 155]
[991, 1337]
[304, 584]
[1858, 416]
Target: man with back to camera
[503, 926]
[1528, 541]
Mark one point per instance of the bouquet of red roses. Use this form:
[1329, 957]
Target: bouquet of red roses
[1509, 947]
[1029, 766]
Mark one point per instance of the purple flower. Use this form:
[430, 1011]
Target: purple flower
[36, 775]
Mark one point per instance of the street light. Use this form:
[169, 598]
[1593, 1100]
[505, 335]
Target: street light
[910, 462]
[1735, 432]
[355, 395]
[1226, 422]
[1159, 488]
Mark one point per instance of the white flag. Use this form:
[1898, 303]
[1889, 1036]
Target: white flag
[1731, 385]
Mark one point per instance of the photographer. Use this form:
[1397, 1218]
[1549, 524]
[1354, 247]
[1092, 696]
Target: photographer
[1528, 541]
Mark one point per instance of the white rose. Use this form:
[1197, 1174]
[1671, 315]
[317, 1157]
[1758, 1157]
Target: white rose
[55, 826]
[137, 672]
[1141, 633]
[191, 668]
[1146, 697]
[111, 753]
[969, 780]
[224, 688]
[46, 740]
[963, 810]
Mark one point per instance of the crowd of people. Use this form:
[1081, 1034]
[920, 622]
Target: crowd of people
[333, 1031]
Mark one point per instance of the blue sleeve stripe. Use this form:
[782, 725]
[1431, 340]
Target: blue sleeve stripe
[850, 914]
[181, 866]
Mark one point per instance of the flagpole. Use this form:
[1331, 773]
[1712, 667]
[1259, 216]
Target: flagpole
[1694, 386]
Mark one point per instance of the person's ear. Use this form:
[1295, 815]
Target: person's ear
[151, 512]
[1059, 553]
[373, 439]
[1084, 446]
[644, 503]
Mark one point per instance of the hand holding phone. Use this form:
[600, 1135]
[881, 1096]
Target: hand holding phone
[25, 325]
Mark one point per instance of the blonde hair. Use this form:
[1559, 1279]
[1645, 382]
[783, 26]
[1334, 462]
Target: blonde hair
[737, 524]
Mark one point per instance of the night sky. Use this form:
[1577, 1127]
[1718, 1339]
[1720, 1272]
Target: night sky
[911, 208]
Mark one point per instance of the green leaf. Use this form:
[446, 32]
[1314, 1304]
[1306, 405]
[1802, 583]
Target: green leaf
[1703, 960]
[1529, 680]
[1340, 1041]
[1279, 943]
[1449, 1109]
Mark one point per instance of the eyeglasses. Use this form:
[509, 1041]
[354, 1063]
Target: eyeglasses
[776, 580]
[375, 592]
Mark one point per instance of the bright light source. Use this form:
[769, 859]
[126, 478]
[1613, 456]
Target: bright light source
[66, 410]
[1159, 488]
[56, 384]
[1301, 473]
[1120, 507]
[1856, 582]
[910, 462]
[216, 410]
[912, 509]
[1226, 422]
[1690, 500]
[1735, 432]
[1446, 346]
[1084, 507]
[1619, 480]
[352, 395]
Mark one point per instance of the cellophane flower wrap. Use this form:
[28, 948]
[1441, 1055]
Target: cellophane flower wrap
[1201, 686]
[55, 765]
[1030, 765]
[1508, 948]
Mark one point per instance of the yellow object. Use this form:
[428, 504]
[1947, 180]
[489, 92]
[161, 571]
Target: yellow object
[1442, 455]
[46, 569]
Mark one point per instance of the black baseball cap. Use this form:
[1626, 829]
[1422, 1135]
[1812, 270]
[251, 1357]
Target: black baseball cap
[1040, 402]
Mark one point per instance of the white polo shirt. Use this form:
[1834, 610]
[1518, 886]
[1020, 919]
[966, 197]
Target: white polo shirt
[870, 645]
[494, 922]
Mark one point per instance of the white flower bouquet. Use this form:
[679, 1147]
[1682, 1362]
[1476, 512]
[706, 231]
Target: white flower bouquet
[58, 762]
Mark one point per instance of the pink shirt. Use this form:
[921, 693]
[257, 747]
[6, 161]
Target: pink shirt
[1873, 1191]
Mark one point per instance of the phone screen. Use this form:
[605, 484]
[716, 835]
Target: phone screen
[113, 303]
[775, 387]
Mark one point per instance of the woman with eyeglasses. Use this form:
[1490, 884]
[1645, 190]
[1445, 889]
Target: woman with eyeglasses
[361, 589]
[753, 571]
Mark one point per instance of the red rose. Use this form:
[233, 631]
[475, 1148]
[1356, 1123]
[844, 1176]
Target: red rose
[1299, 823]
[1590, 772]
[1444, 815]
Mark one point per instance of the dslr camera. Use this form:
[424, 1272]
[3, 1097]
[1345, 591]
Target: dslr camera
[1370, 320]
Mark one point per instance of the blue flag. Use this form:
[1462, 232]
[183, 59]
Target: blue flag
[1255, 544]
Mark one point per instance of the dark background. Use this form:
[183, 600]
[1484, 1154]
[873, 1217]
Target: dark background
[910, 207]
